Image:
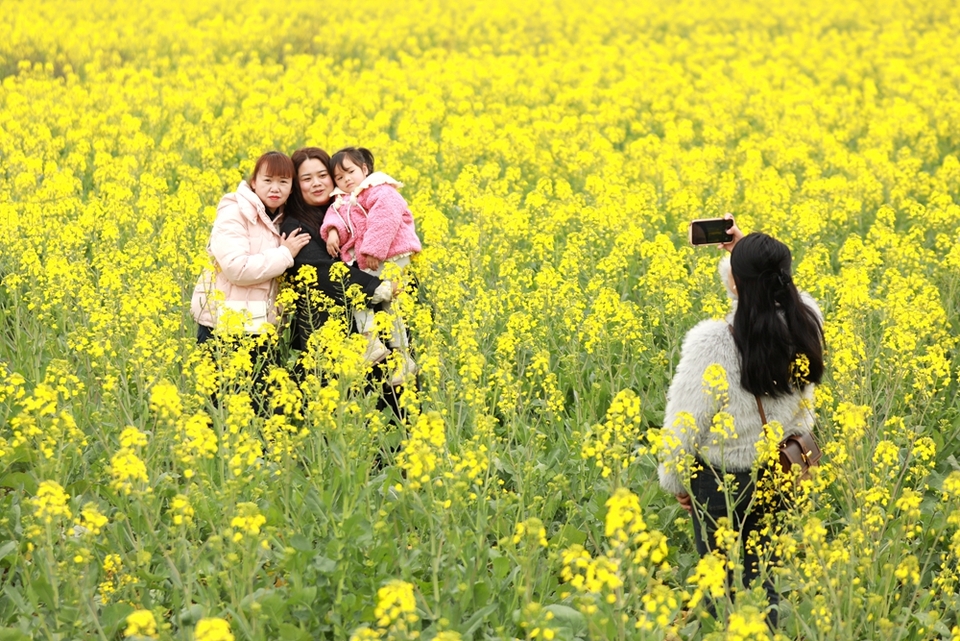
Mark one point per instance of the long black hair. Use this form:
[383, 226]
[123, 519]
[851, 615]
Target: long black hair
[779, 337]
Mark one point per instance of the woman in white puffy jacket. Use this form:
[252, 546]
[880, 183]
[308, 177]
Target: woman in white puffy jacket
[771, 352]
[247, 250]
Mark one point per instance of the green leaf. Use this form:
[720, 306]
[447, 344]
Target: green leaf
[78, 488]
[114, 616]
[567, 536]
[569, 618]
[290, 632]
[12, 634]
[300, 543]
[41, 591]
[7, 548]
[324, 565]
[481, 592]
[22, 480]
[17, 598]
[305, 596]
[190, 615]
[475, 621]
[500, 567]
[275, 605]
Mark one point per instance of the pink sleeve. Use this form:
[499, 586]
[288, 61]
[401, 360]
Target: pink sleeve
[385, 209]
[332, 220]
[230, 246]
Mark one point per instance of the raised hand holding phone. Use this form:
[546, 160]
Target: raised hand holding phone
[715, 231]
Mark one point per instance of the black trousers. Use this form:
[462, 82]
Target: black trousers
[735, 502]
[262, 356]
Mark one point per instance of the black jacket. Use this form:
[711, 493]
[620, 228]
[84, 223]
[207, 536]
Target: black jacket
[315, 254]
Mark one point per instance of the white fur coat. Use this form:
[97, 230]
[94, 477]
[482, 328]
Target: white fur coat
[711, 342]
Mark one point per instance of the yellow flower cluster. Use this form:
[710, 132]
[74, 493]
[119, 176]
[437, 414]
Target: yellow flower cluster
[247, 522]
[396, 606]
[165, 400]
[531, 532]
[709, 578]
[212, 629]
[181, 510]
[424, 448]
[91, 521]
[240, 446]
[612, 445]
[114, 578]
[195, 442]
[51, 502]
[587, 574]
[141, 623]
[128, 472]
[43, 421]
[537, 621]
[633, 553]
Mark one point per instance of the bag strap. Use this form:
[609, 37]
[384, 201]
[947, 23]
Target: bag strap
[763, 416]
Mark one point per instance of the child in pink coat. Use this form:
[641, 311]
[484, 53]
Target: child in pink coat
[370, 223]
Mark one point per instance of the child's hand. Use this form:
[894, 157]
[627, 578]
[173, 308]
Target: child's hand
[373, 263]
[333, 243]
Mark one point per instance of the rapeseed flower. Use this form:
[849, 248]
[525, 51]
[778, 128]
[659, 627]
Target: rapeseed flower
[141, 623]
[247, 522]
[396, 605]
[212, 629]
[91, 521]
[51, 502]
[551, 184]
[128, 472]
[424, 450]
[709, 578]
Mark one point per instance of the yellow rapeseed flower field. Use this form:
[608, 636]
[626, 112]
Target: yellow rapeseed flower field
[552, 153]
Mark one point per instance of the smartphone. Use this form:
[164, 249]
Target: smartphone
[710, 231]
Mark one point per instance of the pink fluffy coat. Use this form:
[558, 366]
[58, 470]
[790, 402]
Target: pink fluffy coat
[374, 221]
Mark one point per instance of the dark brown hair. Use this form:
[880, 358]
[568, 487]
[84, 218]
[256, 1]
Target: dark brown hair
[273, 163]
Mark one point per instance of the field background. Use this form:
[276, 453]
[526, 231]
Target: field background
[552, 153]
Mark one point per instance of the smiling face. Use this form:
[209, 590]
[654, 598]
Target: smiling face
[349, 175]
[315, 182]
[273, 191]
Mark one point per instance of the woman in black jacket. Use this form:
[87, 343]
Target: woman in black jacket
[309, 199]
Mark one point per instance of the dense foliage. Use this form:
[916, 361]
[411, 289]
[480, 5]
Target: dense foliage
[552, 153]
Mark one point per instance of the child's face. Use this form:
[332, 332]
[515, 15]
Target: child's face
[273, 191]
[349, 175]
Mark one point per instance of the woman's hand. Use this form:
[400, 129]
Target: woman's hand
[295, 241]
[372, 262]
[685, 502]
[333, 243]
[733, 231]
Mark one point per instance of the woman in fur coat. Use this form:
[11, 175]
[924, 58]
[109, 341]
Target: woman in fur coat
[770, 349]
